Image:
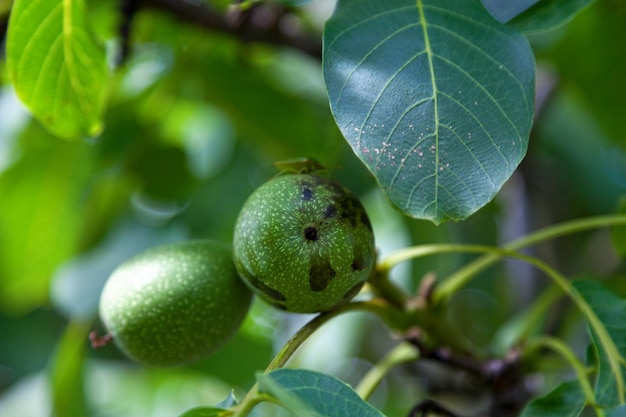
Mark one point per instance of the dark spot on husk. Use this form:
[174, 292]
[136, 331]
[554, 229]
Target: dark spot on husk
[346, 206]
[365, 220]
[349, 209]
[307, 194]
[353, 291]
[310, 233]
[336, 188]
[320, 275]
[357, 264]
[352, 220]
[330, 211]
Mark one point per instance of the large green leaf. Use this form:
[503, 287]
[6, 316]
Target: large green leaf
[309, 393]
[435, 96]
[611, 311]
[57, 68]
[567, 400]
[548, 14]
[40, 216]
[505, 10]
[616, 412]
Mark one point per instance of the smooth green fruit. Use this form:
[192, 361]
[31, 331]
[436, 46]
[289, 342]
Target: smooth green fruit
[175, 303]
[303, 243]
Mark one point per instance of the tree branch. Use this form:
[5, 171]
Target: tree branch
[263, 23]
[128, 9]
[4, 25]
[502, 376]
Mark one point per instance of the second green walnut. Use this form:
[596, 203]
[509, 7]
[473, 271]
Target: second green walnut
[304, 243]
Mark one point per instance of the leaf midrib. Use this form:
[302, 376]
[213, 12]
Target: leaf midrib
[429, 55]
[69, 41]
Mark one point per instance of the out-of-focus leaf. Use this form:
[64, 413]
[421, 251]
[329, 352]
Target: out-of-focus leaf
[106, 201]
[279, 122]
[309, 393]
[548, 14]
[567, 400]
[40, 216]
[435, 97]
[57, 68]
[611, 311]
[68, 397]
[204, 133]
[163, 173]
[584, 174]
[283, 125]
[145, 67]
[596, 78]
[26, 342]
[137, 392]
[228, 401]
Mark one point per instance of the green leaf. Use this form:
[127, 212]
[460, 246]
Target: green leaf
[505, 10]
[41, 217]
[57, 68]
[227, 402]
[616, 412]
[610, 310]
[595, 85]
[593, 170]
[203, 412]
[567, 400]
[434, 96]
[283, 83]
[68, 396]
[548, 15]
[309, 393]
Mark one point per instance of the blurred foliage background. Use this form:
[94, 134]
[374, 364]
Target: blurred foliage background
[195, 120]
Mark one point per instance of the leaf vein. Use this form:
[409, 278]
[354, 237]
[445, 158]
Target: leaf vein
[480, 124]
[486, 55]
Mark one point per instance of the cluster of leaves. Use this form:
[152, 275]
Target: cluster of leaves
[435, 98]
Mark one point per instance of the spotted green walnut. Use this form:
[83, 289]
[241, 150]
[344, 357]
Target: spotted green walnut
[176, 303]
[303, 243]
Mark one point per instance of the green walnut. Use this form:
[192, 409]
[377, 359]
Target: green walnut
[303, 243]
[176, 303]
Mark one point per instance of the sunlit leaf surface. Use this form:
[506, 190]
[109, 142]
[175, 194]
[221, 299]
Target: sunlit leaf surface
[57, 68]
[435, 96]
[315, 394]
